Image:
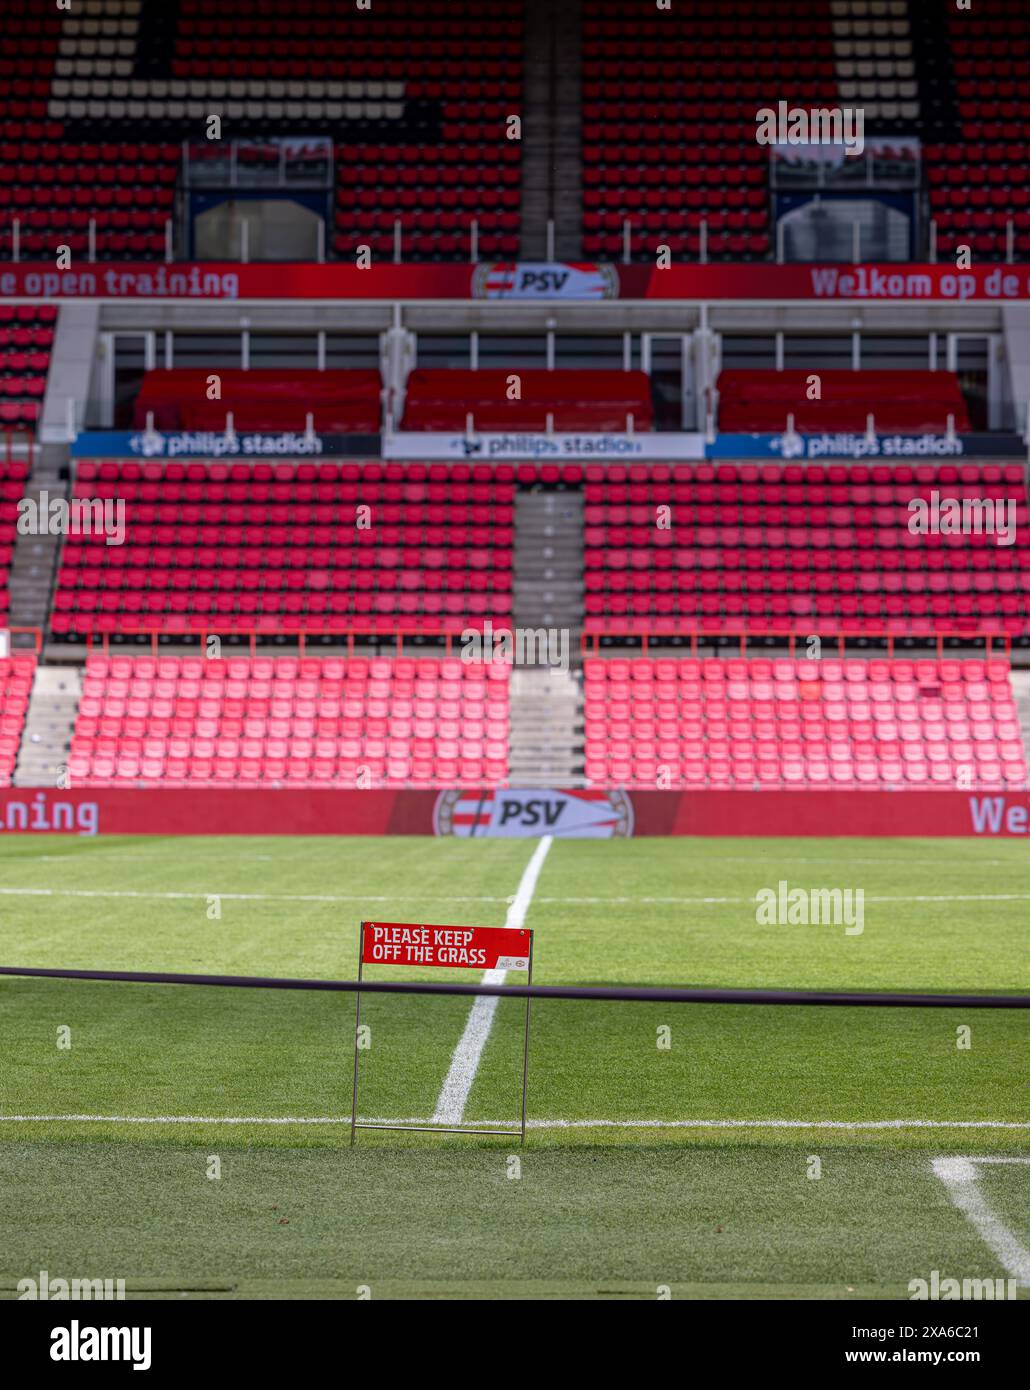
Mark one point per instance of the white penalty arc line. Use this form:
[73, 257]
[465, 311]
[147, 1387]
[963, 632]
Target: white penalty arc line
[959, 1177]
[450, 1104]
[533, 1124]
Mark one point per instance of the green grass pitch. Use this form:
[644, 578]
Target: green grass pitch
[632, 1178]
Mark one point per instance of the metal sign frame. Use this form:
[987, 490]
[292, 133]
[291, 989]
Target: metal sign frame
[356, 1124]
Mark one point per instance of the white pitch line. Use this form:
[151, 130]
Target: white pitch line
[531, 1124]
[246, 897]
[959, 1177]
[450, 1104]
[472, 898]
[870, 898]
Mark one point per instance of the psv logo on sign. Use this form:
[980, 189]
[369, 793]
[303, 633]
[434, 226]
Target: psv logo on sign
[544, 280]
[514, 812]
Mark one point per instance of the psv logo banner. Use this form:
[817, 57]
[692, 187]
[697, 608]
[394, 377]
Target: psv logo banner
[544, 280]
[583, 814]
[470, 948]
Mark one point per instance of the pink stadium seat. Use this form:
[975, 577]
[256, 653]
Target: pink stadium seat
[278, 721]
[818, 726]
[17, 673]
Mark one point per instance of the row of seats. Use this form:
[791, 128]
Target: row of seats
[417, 96]
[382, 479]
[501, 400]
[787, 549]
[290, 721]
[990, 65]
[261, 550]
[801, 723]
[642, 131]
[434, 193]
[26, 337]
[339, 402]
[13, 476]
[423, 89]
[16, 677]
[756, 401]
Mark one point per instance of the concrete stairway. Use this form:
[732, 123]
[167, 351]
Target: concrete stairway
[43, 755]
[546, 701]
[1021, 690]
[549, 562]
[35, 557]
[551, 163]
[566, 127]
[545, 728]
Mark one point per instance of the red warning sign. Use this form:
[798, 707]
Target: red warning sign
[475, 948]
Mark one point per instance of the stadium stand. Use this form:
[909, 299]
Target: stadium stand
[415, 96]
[26, 336]
[58, 169]
[791, 548]
[339, 402]
[13, 474]
[662, 156]
[172, 721]
[801, 723]
[16, 675]
[279, 547]
[574, 400]
[976, 176]
[61, 165]
[909, 401]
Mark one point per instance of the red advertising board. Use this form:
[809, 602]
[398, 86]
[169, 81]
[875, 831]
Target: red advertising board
[572, 814]
[469, 948]
[227, 280]
[869, 284]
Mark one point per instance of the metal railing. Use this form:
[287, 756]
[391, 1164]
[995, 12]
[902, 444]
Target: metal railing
[590, 642]
[348, 636]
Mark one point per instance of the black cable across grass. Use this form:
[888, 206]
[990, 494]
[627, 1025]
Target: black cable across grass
[629, 993]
